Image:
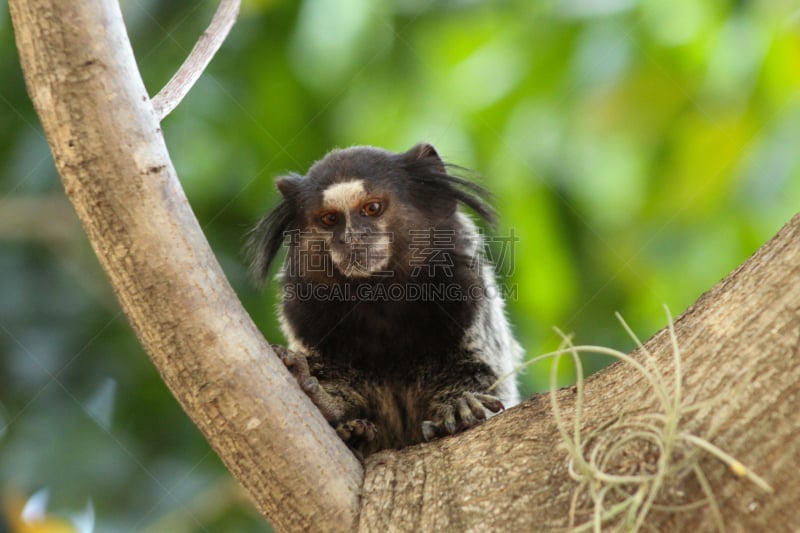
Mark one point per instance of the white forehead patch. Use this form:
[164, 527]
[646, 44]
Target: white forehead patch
[343, 196]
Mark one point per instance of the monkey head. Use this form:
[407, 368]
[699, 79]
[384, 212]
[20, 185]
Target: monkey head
[350, 216]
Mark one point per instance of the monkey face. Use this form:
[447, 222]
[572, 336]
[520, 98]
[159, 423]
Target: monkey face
[356, 230]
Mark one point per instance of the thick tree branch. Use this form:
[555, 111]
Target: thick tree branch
[741, 367]
[107, 145]
[189, 72]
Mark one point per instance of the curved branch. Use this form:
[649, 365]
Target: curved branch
[107, 145]
[189, 72]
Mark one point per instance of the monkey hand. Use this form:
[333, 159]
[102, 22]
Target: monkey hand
[354, 431]
[297, 364]
[457, 413]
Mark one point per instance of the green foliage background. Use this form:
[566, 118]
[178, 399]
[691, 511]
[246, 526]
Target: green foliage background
[638, 150]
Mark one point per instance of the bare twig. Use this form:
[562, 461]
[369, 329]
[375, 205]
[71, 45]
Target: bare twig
[189, 72]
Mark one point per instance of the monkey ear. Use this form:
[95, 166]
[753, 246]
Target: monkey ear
[432, 188]
[288, 185]
[426, 152]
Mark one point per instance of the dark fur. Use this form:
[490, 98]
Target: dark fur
[395, 364]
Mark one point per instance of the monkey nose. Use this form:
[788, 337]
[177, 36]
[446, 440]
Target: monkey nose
[353, 236]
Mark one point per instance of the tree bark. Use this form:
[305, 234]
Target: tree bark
[741, 362]
[108, 147]
[740, 342]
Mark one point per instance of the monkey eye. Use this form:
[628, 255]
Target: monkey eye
[329, 219]
[372, 209]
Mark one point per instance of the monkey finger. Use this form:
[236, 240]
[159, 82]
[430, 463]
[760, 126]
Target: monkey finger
[449, 421]
[465, 413]
[475, 406]
[287, 358]
[357, 429]
[490, 402]
[331, 409]
[364, 429]
[344, 431]
[430, 430]
[310, 386]
[295, 363]
[279, 350]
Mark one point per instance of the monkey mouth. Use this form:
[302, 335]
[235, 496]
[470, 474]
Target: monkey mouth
[363, 262]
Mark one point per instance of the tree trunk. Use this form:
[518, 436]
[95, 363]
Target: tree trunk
[740, 345]
[108, 147]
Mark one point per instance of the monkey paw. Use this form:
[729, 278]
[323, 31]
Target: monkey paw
[457, 414]
[298, 365]
[357, 431]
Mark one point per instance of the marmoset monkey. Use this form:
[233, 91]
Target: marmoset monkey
[395, 326]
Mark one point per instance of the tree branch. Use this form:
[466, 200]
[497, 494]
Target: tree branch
[741, 365]
[107, 145]
[189, 72]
